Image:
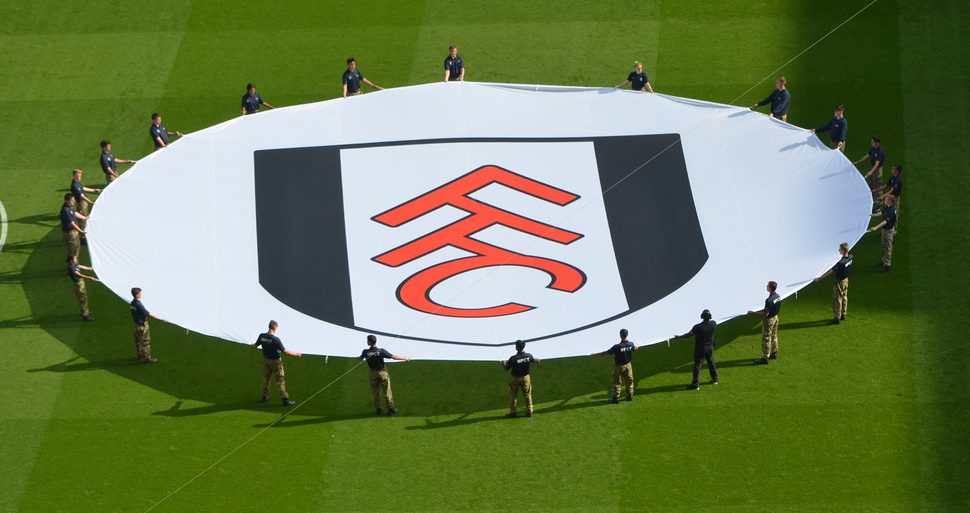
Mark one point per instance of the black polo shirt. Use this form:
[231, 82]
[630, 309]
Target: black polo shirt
[843, 268]
[637, 80]
[67, 217]
[895, 185]
[252, 102]
[622, 352]
[375, 357]
[889, 215]
[877, 154]
[138, 312]
[352, 80]
[519, 364]
[271, 345]
[74, 272]
[108, 162]
[780, 100]
[156, 131]
[78, 191]
[773, 305]
[454, 66]
[704, 336]
[839, 128]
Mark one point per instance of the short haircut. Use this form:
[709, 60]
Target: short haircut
[155, 116]
[840, 108]
[624, 333]
[105, 143]
[773, 286]
[706, 314]
[273, 325]
[250, 86]
[76, 172]
[135, 291]
[69, 258]
[519, 345]
[452, 47]
[898, 167]
[876, 139]
[844, 247]
[351, 59]
[68, 196]
[371, 340]
[783, 80]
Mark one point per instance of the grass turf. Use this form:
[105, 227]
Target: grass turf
[865, 417]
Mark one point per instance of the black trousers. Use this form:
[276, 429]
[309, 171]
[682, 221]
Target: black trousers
[699, 357]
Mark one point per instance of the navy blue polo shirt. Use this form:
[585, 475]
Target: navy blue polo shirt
[138, 312]
[271, 345]
[637, 80]
[77, 190]
[519, 364]
[158, 131]
[622, 352]
[108, 162]
[889, 215]
[704, 336]
[843, 268]
[773, 304]
[780, 100]
[839, 128]
[252, 102]
[877, 154]
[74, 272]
[454, 66]
[67, 217]
[375, 357]
[895, 185]
[352, 80]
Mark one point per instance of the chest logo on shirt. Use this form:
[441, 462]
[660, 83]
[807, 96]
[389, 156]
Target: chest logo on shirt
[415, 290]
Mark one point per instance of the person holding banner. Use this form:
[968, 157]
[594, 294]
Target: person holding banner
[273, 352]
[703, 333]
[353, 77]
[840, 291]
[380, 380]
[769, 328]
[519, 366]
[623, 367]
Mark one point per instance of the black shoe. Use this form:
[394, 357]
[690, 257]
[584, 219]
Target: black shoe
[391, 411]
[885, 269]
[528, 414]
[774, 356]
[629, 398]
[761, 361]
[87, 318]
[149, 360]
[511, 415]
[693, 387]
[262, 400]
[614, 400]
[835, 321]
[379, 412]
[287, 402]
[842, 319]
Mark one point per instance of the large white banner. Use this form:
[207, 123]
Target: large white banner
[453, 219]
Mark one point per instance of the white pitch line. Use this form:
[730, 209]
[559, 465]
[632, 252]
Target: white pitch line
[3, 226]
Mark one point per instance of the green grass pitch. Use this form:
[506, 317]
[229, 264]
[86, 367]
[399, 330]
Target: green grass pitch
[870, 416]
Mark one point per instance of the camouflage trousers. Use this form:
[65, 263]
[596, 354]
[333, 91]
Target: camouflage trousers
[840, 298]
[380, 384]
[887, 246]
[108, 178]
[623, 378]
[143, 342]
[73, 240]
[769, 336]
[81, 291]
[523, 383]
[274, 369]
